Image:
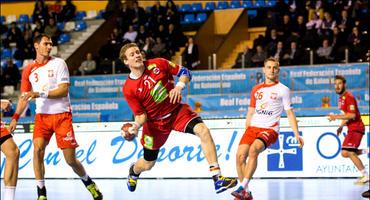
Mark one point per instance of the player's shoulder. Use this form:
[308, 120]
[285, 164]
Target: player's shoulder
[349, 94]
[57, 60]
[282, 86]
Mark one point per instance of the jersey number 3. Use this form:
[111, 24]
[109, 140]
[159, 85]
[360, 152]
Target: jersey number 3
[36, 77]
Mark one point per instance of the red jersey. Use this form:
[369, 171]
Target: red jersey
[149, 93]
[348, 104]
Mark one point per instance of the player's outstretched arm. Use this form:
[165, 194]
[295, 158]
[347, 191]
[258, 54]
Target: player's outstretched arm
[294, 125]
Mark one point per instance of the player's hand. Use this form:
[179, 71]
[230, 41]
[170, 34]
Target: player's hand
[301, 141]
[339, 130]
[28, 96]
[12, 125]
[5, 104]
[175, 95]
[331, 117]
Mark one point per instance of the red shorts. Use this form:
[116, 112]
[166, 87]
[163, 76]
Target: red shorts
[268, 136]
[156, 132]
[353, 139]
[60, 124]
[3, 131]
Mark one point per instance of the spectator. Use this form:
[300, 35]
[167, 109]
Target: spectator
[27, 30]
[293, 56]
[328, 24]
[174, 39]
[355, 44]
[191, 54]
[11, 74]
[25, 50]
[324, 52]
[141, 36]
[68, 12]
[245, 56]
[161, 32]
[40, 12]
[157, 14]
[131, 34]
[159, 48]
[345, 23]
[112, 7]
[125, 18]
[271, 42]
[279, 52]
[259, 57]
[138, 15]
[285, 28]
[56, 8]
[88, 66]
[300, 28]
[38, 27]
[14, 34]
[147, 47]
[52, 30]
[338, 44]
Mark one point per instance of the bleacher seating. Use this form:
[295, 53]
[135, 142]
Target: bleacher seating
[188, 19]
[222, 5]
[64, 38]
[80, 15]
[185, 8]
[201, 17]
[24, 18]
[80, 25]
[210, 6]
[235, 4]
[196, 7]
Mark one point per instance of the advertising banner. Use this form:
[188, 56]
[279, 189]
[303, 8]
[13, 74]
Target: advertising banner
[108, 86]
[105, 154]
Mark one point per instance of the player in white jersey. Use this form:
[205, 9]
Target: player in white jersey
[11, 152]
[46, 79]
[268, 100]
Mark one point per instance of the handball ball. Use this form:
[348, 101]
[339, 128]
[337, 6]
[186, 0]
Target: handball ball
[125, 133]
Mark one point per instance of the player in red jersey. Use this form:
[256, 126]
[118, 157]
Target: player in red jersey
[11, 152]
[156, 102]
[46, 80]
[356, 129]
[268, 100]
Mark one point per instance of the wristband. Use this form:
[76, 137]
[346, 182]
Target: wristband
[44, 94]
[16, 116]
[180, 84]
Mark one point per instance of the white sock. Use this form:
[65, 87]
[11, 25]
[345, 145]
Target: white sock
[365, 151]
[85, 177]
[9, 193]
[215, 169]
[245, 183]
[364, 173]
[40, 183]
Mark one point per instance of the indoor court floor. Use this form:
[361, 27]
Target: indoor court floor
[196, 189]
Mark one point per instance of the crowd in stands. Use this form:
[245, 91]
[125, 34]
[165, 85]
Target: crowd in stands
[156, 31]
[328, 29]
[18, 37]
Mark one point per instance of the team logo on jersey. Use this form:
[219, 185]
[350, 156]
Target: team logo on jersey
[68, 137]
[273, 96]
[159, 92]
[151, 66]
[156, 70]
[50, 73]
[172, 64]
[148, 141]
[264, 105]
[285, 154]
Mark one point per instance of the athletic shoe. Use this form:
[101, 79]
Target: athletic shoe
[224, 183]
[42, 197]
[131, 180]
[41, 193]
[366, 194]
[239, 193]
[94, 191]
[362, 180]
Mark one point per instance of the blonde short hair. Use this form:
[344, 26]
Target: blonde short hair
[272, 60]
[122, 53]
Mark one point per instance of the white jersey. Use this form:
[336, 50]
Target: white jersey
[269, 102]
[47, 77]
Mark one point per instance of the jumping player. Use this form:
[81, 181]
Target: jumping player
[156, 103]
[11, 152]
[268, 99]
[351, 117]
[46, 79]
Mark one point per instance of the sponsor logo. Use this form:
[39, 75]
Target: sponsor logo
[148, 141]
[285, 155]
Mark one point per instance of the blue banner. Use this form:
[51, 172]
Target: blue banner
[84, 87]
[322, 77]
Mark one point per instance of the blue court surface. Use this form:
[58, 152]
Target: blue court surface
[196, 189]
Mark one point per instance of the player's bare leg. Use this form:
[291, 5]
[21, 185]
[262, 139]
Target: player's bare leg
[141, 165]
[39, 145]
[254, 150]
[70, 158]
[208, 146]
[241, 158]
[11, 152]
[359, 165]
